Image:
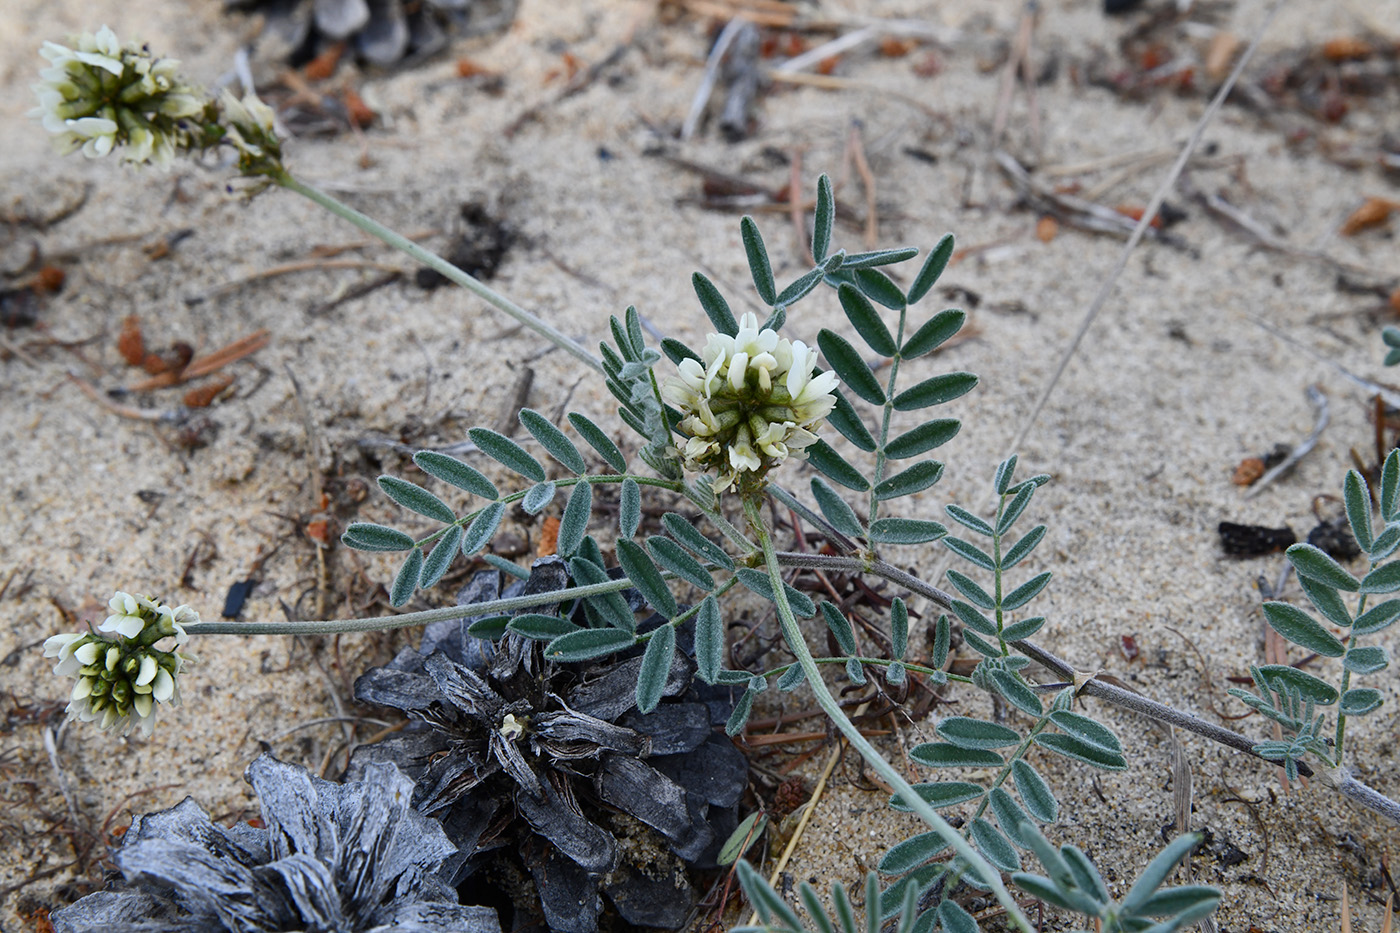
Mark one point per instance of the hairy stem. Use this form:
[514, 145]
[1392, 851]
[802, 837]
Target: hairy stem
[798, 645]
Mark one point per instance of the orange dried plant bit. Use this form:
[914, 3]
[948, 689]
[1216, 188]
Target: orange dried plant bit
[49, 279]
[203, 396]
[1395, 301]
[360, 113]
[1046, 228]
[319, 530]
[828, 65]
[130, 344]
[323, 66]
[1135, 213]
[892, 47]
[1249, 470]
[466, 68]
[1346, 49]
[549, 538]
[1372, 213]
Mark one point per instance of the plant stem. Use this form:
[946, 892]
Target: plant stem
[798, 645]
[440, 265]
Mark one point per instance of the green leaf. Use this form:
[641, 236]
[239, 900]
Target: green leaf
[669, 555]
[974, 593]
[756, 580]
[1086, 876]
[855, 672]
[587, 644]
[917, 478]
[978, 644]
[1011, 685]
[925, 437]
[733, 678]
[911, 853]
[840, 627]
[827, 461]
[573, 525]
[1157, 872]
[709, 640]
[1359, 701]
[1022, 548]
[848, 423]
[743, 837]
[1302, 629]
[1358, 504]
[835, 509]
[934, 264]
[483, 528]
[634, 333]
[629, 511]
[492, 628]
[846, 361]
[905, 531]
[417, 499]
[970, 553]
[406, 580]
[540, 627]
[1006, 471]
[948, 755]
[1386, 542]
[996, 847]
[899, 629]
[1281, 678]
[1327, 600]
[866, 320]
[966, 732]
[879, 257]
[610, 608]
[1366, 660]
[792, 678]
[1009, 814]
[714, 305]
[1015, 507]
[441, 557]
[954, 919]
[800, 288]
[973, 619]
[656, 666]
[765, 901]
[1072, 747]
[1378, 617]
[599, 441]
[690, 536]
[537, 497]
[1316, 563]
[1035, 792]
[740, 716]
[629, 352]
[645, 577]
[366, 536]
[454, 471]
[935, 391]
[965, 518]
[775, 321]
[507, 453]
[941, 793]
[1173, 902]
[1022, 630]
[1390, 484]
[823, 218]
[1087, 730]
[1025, 592]
[942, 635]
[1384, 579]
[676, 351]
[759, 266]
[935, 331]
[553, 440]
[878, 286]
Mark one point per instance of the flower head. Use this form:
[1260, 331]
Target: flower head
[344, 857]
[750, 403]
[122, 676]
[103, 95]
[249, 125]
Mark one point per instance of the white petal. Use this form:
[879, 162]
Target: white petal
[143, 704]
[87, 654]
[164, 686]
[82, 689]
[147, 672]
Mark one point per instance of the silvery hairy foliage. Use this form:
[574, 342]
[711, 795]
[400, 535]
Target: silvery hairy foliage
[349, 858]
[527, 759]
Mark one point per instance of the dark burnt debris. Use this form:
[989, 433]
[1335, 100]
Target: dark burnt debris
[1254, 540]
[548, 771]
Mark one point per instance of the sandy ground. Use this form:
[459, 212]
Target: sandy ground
[1176, 382]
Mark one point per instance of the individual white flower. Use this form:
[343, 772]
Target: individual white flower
[250, 126]
[749, 403]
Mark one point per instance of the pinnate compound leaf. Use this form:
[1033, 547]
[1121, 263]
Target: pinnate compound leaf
[709, 641]
[595, 437]
[540, 627]
[757, 581]
[1378, 617]
[366, 536]
[1359, 701]
[905, 531]
[966, 732]
[1072, 747]
[846, 361]
[934, 333]
[823, 218]
[672, 557]
[1021, 549]
[1157, 872]
[656, 666]
[1358, 505]
[1302, 629]
[835, 509]
[1022, 630]
[1384, 579]
[759, 266]
[507, 453]
[934, 264]
[629, 511]
[917, 478]
[406, 580]
[537, 497]
[913, 852]
[690, 536]
[645, 577]
[866, 320]
[840, 627]
[587, 644]
[948, 755]
[848, 424]
[970, 552]
[483, 528]
[573, 525]
[935, 391]
[996, 847]
[941, 794]
[1316, 563]
[1281, 678]
[454, 471]
[416, 499]
[925, 437]
[1035, 791]
[1367, 659]
[965, 518]
[824, 458]
[440, 559]
[1025, 592]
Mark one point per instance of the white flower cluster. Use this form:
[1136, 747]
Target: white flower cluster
[102, 95]
[121, 677]
[751, 403]
[250, 127]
